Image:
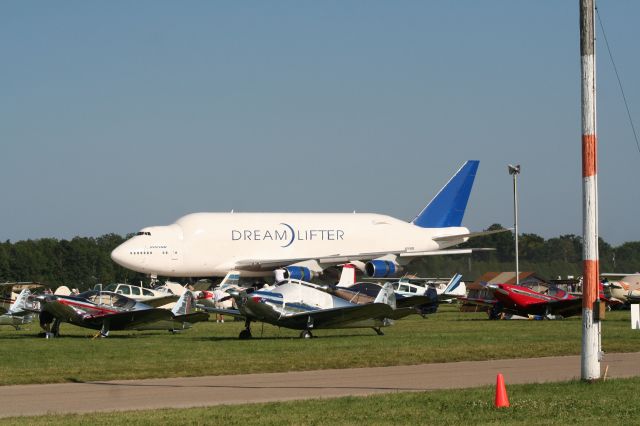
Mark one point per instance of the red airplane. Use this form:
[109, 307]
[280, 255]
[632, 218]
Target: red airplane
[522, 301]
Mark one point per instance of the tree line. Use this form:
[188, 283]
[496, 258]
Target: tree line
[551, 258]
[78, 263]
[83, 262]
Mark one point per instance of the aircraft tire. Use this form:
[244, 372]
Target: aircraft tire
[306, 334]
[245, 334]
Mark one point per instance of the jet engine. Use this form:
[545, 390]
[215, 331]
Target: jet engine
[381, 268]
[298, 273]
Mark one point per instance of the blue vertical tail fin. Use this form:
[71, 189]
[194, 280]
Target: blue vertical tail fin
[448, 206]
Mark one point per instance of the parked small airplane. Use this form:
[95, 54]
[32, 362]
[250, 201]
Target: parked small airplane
[255, 244]
[17, 315]
[151, 297]
[623, 287]
[421, 294]
[298, 305]
[406, 304]
[106, 311]
[523, 301]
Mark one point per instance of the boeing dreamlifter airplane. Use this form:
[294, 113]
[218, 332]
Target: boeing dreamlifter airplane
[304, 244]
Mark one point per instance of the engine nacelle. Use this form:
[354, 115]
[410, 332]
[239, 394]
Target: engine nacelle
[381, 268]
[298, 273]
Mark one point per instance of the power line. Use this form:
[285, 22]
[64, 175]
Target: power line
[606, 42]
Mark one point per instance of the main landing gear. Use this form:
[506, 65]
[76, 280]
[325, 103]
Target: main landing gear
[306, 334]
[246, 333]
[378, 331]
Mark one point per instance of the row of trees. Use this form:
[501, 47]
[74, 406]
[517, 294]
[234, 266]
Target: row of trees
[78, 263]
[85, 261]
[559, 256]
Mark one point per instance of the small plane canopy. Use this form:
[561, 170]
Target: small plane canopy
[108, 298]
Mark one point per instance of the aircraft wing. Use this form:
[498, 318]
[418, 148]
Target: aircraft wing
[231, 312]
[469, 235]
[161, 300]
[477, 301]
[132, 319]
[610, 274]
[60, 311]
[326, 318]
[193, 317]
[6, 288]
[337, 259]
[566, 307]
[410, 301]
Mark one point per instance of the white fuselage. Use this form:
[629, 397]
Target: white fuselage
[212, 244]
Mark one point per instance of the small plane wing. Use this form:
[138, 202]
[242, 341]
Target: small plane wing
[60, 310]
[323, 318]
[410, 301]
[160, 300]
[337, 316]
[231, 312]
[477, 301]
[192, 317]
[611, 274]
[566, 307]
[131, 319]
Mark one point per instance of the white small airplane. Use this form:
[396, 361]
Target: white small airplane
[422, 294]
[17, 315]
[623, 287]
[304, 244]
[300, 305]
[151, 297]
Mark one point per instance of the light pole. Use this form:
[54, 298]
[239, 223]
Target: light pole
[515, 171]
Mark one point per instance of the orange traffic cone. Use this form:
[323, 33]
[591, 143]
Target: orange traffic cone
[502, 400]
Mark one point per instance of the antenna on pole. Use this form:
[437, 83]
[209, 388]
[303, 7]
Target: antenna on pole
[591, 348]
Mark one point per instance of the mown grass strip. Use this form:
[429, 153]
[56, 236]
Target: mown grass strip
[533, 404]
[213, 349]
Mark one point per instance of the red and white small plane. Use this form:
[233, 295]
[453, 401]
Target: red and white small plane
[523, 301]
[105, 311]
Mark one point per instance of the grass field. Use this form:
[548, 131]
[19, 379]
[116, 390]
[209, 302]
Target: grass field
[213, 349]
[557, 403]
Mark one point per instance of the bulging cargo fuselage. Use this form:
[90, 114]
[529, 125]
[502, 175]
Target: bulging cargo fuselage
[212, 244]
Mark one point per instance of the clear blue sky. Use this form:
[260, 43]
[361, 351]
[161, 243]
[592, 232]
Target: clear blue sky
[118, 115]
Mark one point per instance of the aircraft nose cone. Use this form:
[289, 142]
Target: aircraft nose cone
[118, 255]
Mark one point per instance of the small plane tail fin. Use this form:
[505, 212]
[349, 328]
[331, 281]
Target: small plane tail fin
[347, 276]
[387, 295]
[20, 303]
[447, 207]
[455, 287]
[184, 305]
[232, 279]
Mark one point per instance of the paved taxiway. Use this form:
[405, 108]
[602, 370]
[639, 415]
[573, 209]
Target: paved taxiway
[249, 388]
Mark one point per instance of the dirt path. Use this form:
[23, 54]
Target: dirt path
[241, 389]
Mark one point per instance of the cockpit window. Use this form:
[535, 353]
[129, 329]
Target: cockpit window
[109, 299]
[143, 233]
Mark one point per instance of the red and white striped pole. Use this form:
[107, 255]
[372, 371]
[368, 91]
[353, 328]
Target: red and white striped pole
[591, 264]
